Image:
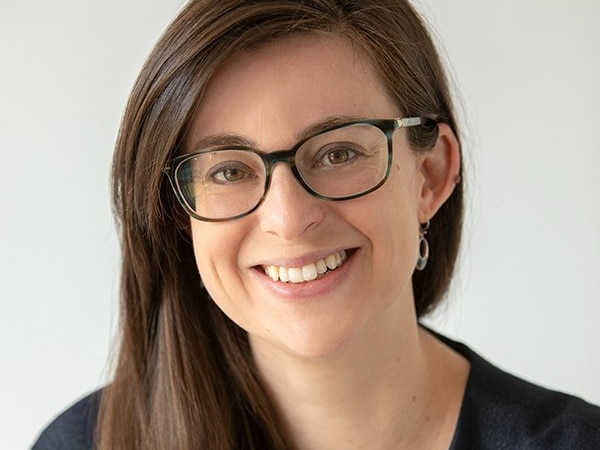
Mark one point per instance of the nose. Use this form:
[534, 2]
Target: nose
[288, 210]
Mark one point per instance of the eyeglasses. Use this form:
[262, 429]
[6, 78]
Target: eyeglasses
[340, 162]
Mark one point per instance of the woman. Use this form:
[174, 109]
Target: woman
[288, 184]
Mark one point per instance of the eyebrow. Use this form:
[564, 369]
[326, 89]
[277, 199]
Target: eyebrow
[324, 124]
[226, 140]
[223, 139]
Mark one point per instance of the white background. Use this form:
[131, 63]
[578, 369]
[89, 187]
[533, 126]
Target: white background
[528, 292]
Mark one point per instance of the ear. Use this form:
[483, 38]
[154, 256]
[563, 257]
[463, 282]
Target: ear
[440, 169]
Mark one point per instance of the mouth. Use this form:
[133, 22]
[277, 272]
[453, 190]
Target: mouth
[309, 272]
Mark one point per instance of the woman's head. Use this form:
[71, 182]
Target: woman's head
[203, 37]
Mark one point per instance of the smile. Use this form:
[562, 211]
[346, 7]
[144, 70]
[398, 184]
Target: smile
[308, 272]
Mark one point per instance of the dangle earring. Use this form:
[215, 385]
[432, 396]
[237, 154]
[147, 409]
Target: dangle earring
[423, 246]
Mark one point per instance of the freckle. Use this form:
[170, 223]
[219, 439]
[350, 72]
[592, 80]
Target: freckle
[414, 398]
[428, 419]
[398, 359]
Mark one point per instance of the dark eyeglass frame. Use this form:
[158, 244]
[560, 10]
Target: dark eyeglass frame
[387, 126]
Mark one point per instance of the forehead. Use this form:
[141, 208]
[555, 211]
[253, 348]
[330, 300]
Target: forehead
[288, 85]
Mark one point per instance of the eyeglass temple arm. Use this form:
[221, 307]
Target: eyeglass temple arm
[409, 122]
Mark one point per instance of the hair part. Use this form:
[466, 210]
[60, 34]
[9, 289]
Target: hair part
[184, 377]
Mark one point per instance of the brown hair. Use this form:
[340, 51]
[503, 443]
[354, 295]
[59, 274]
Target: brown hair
[184, 377]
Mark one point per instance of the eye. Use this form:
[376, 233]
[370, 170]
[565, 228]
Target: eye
[230, 172]
[337, 154]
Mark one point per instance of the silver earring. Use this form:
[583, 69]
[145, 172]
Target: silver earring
[423, 247]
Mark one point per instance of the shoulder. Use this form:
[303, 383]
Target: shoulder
[500, 411]
[74, 428]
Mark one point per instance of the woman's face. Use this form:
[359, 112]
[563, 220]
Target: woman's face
[270, 96]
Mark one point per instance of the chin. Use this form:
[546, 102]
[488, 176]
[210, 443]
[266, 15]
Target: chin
[313, 342]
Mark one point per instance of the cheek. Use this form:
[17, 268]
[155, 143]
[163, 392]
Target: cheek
[393, 222]
[215, 252]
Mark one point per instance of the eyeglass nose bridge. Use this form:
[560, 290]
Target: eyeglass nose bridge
[288, 157]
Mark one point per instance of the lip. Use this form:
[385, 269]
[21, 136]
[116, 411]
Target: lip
[298, 292]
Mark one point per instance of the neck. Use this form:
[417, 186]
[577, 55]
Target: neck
[378, 392]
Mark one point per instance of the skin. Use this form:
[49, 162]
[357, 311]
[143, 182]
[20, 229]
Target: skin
[342, 356]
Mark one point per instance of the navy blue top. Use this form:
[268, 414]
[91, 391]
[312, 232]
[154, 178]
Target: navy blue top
[499, 411]
[74, 428]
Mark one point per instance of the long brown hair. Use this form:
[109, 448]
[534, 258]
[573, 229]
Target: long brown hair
[184, 377]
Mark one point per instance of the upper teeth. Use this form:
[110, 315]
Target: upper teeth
[306, 273]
